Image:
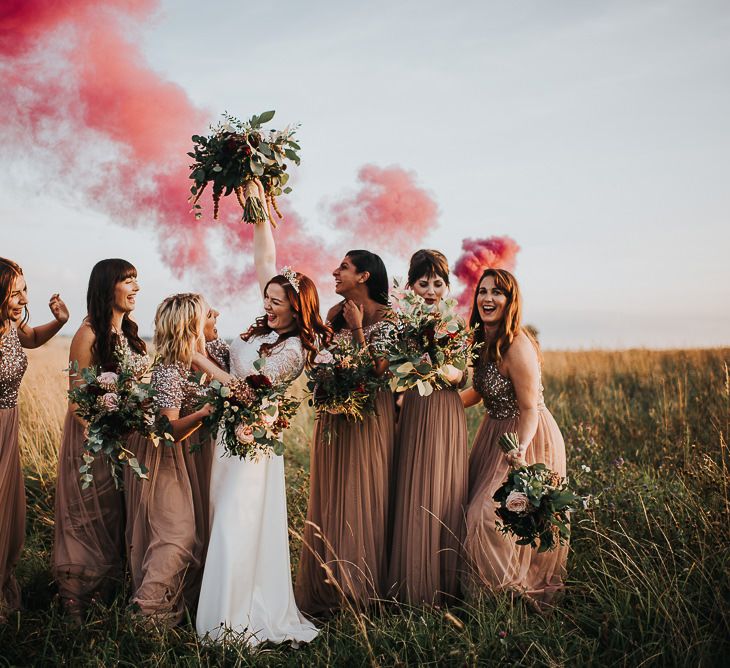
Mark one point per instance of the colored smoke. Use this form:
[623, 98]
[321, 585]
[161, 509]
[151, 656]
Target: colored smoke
[481, 254]
[389, 207]
[79, 99]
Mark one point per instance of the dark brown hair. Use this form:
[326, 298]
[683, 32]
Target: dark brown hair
[377, 283]
[99, 309]
[310, 328]
[511, 323]
[428, 263]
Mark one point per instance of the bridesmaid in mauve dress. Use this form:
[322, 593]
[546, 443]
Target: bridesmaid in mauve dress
[88, 548]
[507, 379]
[15, 334]
[344, 556]
[167, 515]
[430, 473]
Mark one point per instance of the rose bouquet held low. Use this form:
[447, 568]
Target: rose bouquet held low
[534, 503]
[343, 381]
[234, 156]
[432, 342]
[115, 404]
[252, 413]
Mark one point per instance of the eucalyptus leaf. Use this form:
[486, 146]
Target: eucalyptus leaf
[266, 116]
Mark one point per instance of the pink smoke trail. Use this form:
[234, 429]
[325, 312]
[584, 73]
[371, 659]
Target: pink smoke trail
[478, 255]
[108, 128]
[396, 214]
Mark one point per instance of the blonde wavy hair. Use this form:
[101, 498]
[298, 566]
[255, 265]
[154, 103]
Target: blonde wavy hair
[179, 323]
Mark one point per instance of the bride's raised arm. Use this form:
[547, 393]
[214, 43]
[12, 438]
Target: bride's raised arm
[264, 248]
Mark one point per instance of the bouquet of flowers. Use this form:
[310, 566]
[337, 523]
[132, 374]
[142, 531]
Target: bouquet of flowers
[430, 339]
[115, 404]
[252, 412]
[534, 503]
[343, 381]
[234, 155]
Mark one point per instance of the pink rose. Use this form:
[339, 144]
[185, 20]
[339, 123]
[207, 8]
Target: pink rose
[324, 357]
[517, 502]
[107, 380]
[244, 433]
[110, 401]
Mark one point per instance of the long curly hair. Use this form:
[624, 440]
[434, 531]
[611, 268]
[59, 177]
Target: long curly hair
[310, 328]
[99, 309]
[9, 271]
[511, 323]
[179, 323]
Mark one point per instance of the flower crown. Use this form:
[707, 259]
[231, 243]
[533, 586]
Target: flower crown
[291, 276]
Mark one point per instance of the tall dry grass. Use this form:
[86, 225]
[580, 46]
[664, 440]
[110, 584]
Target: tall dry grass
[646, 435]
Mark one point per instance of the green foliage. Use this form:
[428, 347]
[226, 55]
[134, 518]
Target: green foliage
[252, 413]
[115, 404]
[541, 519]
[430, 340]
[237, 152]
[649, 567]
[343, 381]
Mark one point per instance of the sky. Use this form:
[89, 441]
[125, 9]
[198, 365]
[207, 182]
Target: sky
[594, 134]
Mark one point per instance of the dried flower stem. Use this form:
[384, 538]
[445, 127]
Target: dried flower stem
[200, 192]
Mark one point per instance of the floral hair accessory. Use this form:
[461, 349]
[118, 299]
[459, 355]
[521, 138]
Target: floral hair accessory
[290, 275]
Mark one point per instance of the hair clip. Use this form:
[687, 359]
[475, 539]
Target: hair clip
[290, 275]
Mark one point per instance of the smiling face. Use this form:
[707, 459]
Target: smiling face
[125, 294]
[209, 329]
[279, 313]
[347, 277]
[18, 299]
[433, 289]
[491, 302]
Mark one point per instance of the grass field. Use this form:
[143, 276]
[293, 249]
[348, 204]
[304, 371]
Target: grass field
[649, 569]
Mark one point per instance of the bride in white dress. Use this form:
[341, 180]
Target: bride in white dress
[247, 585]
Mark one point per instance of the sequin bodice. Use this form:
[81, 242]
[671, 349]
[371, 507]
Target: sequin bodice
[138, 363]
[219, 351]
[174, 388]
[13, 363]
[498, 392]
[379, 336]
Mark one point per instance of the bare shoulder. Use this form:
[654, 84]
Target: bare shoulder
[521, 353]
[334, 311]
[84, 334]
[82, 341]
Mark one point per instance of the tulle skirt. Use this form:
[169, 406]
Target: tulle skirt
[344, 554]
[12, 510]
[167, 525]
[494, 560]
[88, 550]
[430, 498]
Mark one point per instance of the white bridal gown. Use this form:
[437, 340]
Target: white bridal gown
[247, 583]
